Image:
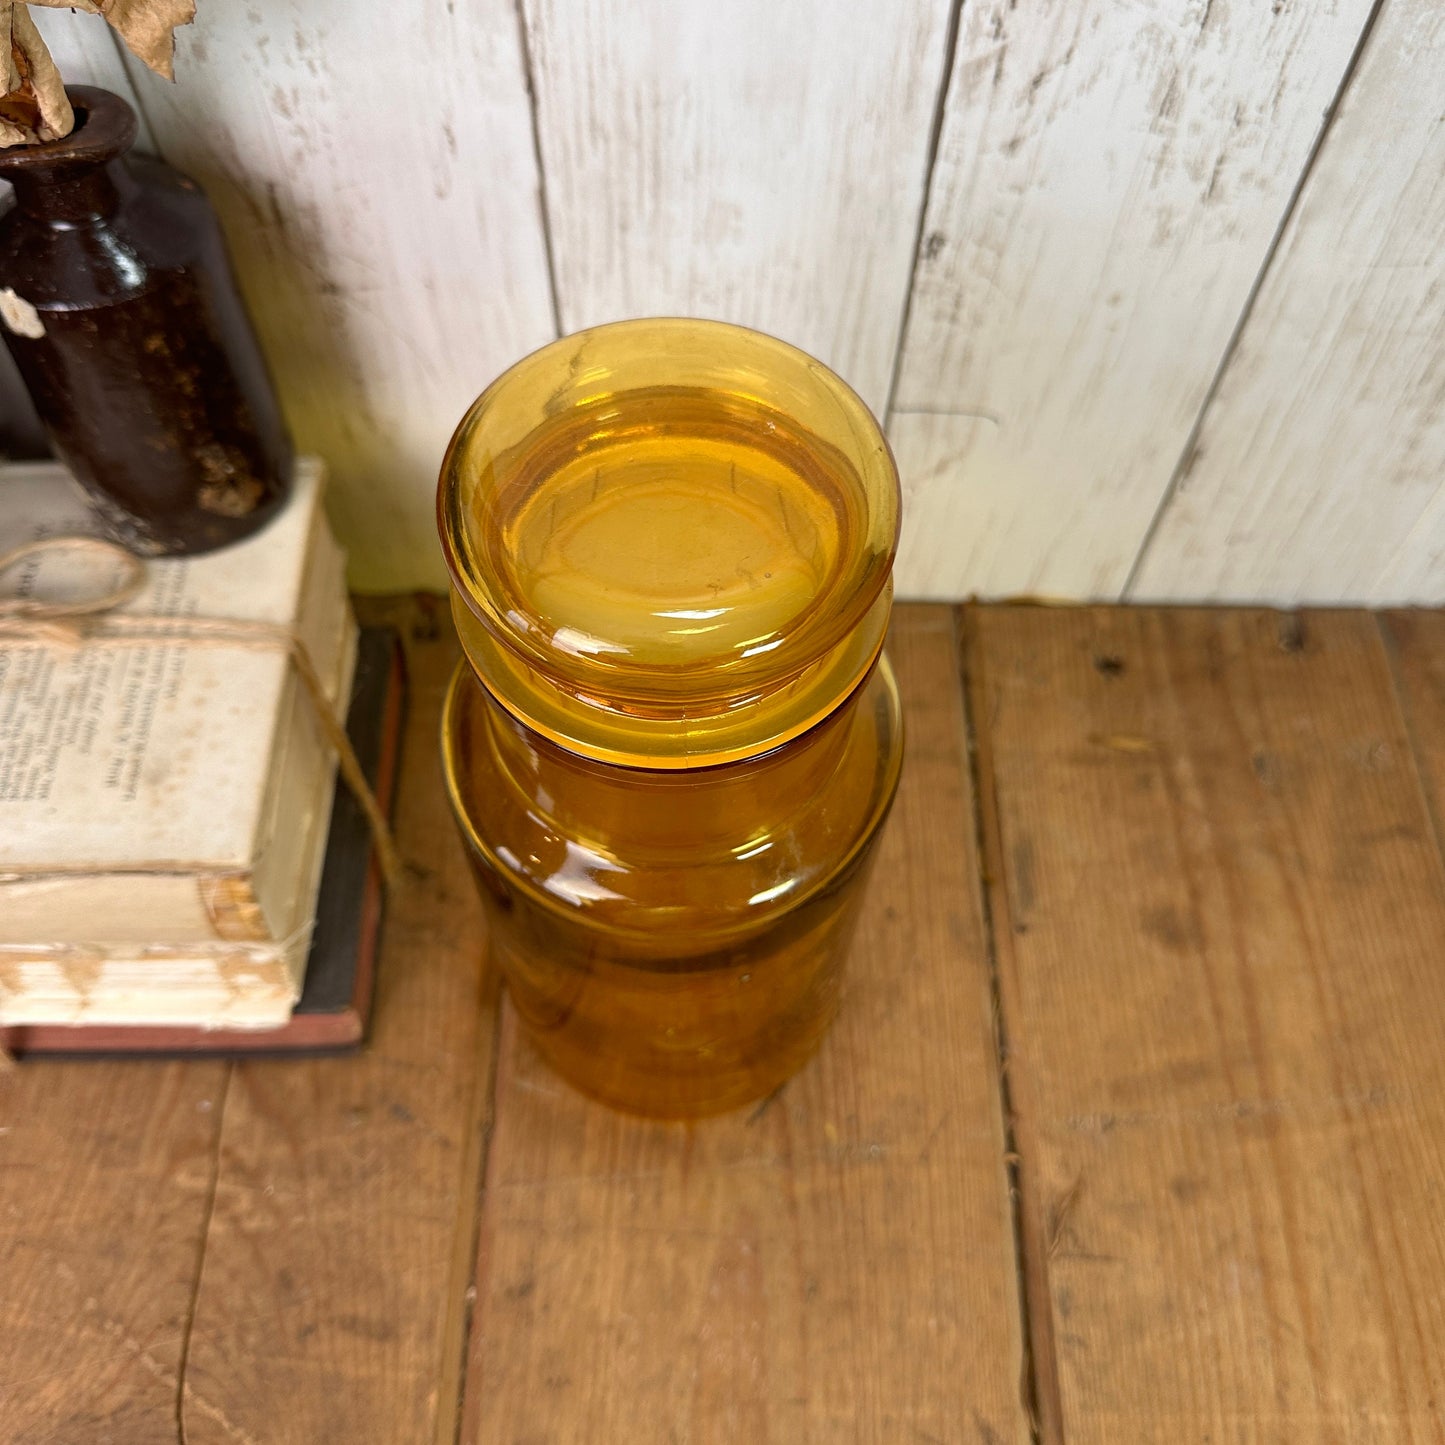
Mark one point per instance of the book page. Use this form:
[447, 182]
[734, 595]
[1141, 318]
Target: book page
[149, 754]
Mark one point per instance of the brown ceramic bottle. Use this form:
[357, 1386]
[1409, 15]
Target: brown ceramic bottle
[120, 308]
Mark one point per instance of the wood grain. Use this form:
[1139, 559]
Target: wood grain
[1108, 184]
[105, 1179]
[374, 168]
[1220, 914]
[835, 1264]
[332, 1301]
[754, 162]
[1415, 642]
[1317, 474]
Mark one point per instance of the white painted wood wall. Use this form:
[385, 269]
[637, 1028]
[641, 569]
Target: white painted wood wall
[1149, 293]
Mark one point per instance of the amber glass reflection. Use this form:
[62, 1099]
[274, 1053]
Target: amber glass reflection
[674, 940]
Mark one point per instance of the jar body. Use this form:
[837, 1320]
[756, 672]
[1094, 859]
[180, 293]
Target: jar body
[673, 940]
[130, 333]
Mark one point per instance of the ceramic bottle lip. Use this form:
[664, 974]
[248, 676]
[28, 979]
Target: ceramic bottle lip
[74, 177]
[775, 655]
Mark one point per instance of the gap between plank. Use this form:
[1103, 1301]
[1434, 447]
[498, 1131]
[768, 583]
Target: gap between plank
[1189, 453]
[210, 1208]
[1038, 1380]
[935, 133]
[481, 1127]
[544, 210]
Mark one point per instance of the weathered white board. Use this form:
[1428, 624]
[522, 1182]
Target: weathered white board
[757, 162]
[374, 168]
[1320, 469]
[1109, 181]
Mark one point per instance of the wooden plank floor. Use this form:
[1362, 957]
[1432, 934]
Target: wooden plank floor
[1219, 911]
[1132, 1128]
[835, 1265]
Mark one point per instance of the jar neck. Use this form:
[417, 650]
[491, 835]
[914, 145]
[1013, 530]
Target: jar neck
[578, 792]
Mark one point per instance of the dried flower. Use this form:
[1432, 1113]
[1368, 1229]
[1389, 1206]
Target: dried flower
[34, 107]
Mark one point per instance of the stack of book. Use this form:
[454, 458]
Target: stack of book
[165, 805]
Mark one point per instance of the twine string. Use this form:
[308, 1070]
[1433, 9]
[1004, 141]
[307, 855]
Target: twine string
[94, 620]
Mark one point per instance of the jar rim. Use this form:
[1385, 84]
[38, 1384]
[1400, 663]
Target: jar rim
[669, 540]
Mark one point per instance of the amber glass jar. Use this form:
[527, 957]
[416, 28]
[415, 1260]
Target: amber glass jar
[674, 739]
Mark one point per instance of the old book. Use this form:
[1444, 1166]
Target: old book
[155, 797]
[335, 1001]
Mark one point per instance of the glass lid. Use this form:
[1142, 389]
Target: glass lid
[669, 540]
